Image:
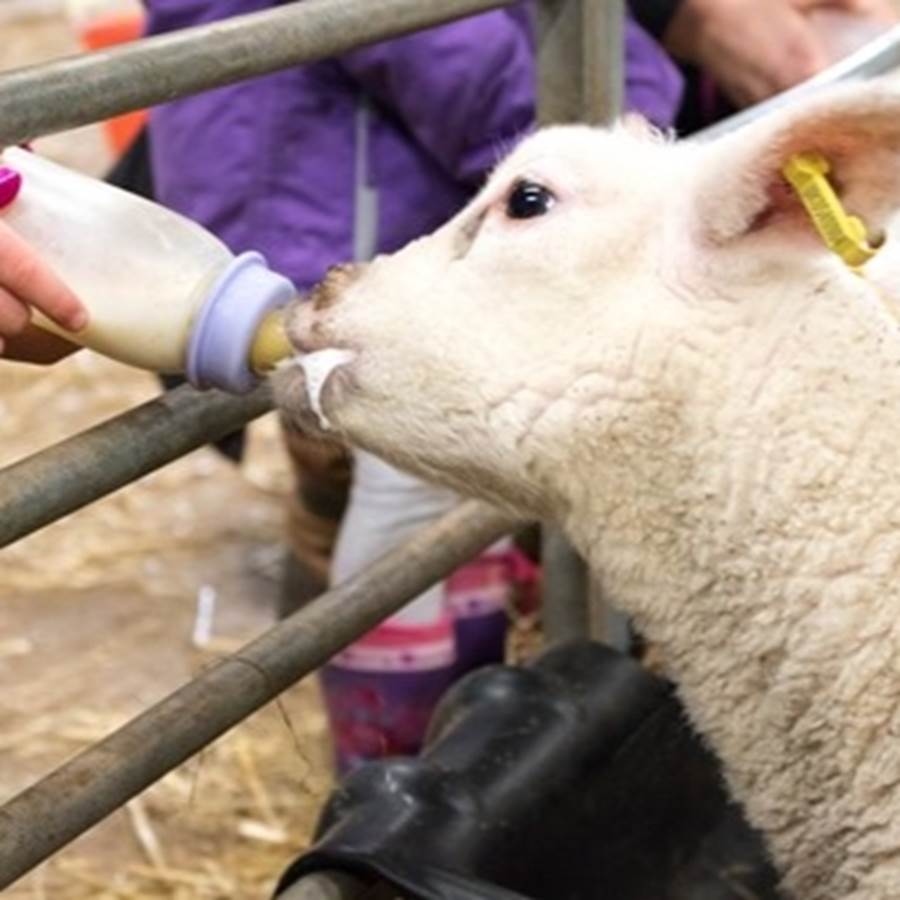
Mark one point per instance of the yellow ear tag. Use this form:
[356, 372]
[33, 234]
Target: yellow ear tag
[842, 233]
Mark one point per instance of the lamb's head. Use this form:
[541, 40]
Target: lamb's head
[593, 297]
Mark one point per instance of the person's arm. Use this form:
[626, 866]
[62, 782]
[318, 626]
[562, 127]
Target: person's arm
[465, 90]
[26, 283]
[754, 48]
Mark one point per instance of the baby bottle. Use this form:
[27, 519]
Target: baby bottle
[162, 293]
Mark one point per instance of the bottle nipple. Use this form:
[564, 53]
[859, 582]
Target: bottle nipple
[270, 344]
[239, 332]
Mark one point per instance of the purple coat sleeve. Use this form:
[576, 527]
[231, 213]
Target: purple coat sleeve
[465, 91]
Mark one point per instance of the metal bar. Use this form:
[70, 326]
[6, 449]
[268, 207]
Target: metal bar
[55, 482]
[565, 614]
[87, 88]
[603, 60]
[57, 809]
[580, 60]
[580, 79]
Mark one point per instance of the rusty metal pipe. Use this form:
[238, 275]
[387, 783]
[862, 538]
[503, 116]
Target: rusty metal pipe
[580, 79]
[580, 60]
[61, 479]
[46, 816]
[75, 91]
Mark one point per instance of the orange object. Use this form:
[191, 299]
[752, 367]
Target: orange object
[107, 30]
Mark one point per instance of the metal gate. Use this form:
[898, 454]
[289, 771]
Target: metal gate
[580, 79]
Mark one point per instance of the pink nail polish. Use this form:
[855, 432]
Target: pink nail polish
[10, 185]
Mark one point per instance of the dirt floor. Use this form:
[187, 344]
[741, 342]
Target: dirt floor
[97, 617]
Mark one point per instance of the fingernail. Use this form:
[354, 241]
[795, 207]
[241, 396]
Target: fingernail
[10, 184]
[78, 321]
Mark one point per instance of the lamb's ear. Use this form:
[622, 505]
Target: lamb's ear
[742, 191]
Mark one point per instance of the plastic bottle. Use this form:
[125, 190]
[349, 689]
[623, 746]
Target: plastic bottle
[163, 294]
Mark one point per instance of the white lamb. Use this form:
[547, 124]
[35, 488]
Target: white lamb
[649, 343]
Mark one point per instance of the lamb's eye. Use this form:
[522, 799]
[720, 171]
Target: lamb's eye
[529, 199]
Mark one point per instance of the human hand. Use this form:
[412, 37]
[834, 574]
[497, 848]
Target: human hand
[27, 284]
[877, 10]
[757, 48]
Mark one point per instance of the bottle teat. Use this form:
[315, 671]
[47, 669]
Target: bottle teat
[238, 333]
[271, 344]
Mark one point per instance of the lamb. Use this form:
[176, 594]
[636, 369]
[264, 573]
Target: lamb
[648, 343]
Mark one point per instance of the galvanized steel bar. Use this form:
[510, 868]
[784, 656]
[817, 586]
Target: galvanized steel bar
[57, 481]
[45, 817]
[580, 60]
[565, 613]
[580, 79]
[89, 87]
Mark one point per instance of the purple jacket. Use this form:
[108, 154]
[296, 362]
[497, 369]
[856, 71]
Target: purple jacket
[346, 157]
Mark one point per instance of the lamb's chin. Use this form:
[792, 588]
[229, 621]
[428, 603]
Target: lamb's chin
[300, 382]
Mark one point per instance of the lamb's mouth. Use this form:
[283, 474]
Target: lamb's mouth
[317, 367]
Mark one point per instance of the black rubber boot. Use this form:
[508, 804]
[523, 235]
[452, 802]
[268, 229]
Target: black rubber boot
[576, 778]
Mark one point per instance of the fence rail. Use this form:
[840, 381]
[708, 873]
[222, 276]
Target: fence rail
[54, 482]
[580, 79]
[81, 89]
